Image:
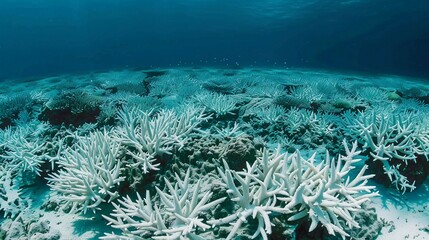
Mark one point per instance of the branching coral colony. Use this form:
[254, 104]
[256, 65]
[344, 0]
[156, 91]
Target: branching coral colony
[277, 183]
[107, 162]
[398, 141]
[176, 215]
[148, 135]
[90, 171]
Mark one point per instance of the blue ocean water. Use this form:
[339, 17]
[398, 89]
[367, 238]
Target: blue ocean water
[53, 37]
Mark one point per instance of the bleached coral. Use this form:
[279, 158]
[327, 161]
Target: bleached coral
[12, 104]
[265, 89]
[398, 135]
[219, 85]
[299, 119]
[278, 183]
[150, 135]
[176, 215]
[326, 192]
[327, 87]
[303, 120]
[269, 114]
[372, 94]
[218, 103]
[390, 136]
[11, 202]
[90, 172]
[170, 85]
[75, 101]
[309, 93]
[254, 196]
[24, 147]
[229, 132]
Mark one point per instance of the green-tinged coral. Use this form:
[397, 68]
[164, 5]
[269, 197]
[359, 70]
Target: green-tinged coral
[342, 103]
[11, 106]
[393, 96]
[72, 107]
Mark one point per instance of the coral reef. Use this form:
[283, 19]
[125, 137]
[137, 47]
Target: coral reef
[209, 154]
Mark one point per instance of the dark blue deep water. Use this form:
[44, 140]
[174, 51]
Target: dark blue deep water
[68, 36]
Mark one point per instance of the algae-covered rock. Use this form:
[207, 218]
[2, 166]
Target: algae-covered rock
[239, 150]
[342, 103]
[393, 96]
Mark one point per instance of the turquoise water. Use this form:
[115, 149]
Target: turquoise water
[56, 37]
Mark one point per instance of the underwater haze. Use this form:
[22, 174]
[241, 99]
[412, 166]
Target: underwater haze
[47, 37]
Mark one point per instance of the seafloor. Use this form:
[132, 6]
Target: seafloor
[193, 153]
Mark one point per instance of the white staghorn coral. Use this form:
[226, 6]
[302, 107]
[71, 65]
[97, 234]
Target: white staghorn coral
[389, 136]
[299, 120]
[392, 136]
[24, 148]
[10, 196]
[90, 172]
[268, 114]
[255, 195]
[150, 135]
[308, 92]
[175, 216]
[325, 192]
[218, 103]
[278, 183]
[136, 219]
[23, 154]
[374, 95]
[22, 151]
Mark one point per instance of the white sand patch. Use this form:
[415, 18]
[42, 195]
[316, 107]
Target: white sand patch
[64, 223]
[409, 213]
